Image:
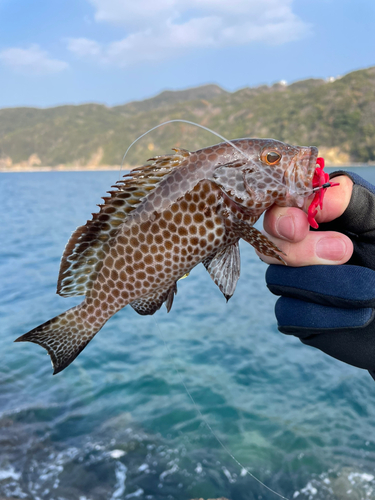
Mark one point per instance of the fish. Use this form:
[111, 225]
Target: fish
[160, 221]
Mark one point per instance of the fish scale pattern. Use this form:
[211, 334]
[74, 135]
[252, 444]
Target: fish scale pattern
[148, 258]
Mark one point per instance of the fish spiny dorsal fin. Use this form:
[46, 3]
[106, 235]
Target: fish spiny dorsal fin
[89, 244]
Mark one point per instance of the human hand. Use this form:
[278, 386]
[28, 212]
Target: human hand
[329, 307]
[288, 228]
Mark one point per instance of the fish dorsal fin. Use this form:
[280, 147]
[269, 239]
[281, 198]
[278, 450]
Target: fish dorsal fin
[153, 302]
[84, 253]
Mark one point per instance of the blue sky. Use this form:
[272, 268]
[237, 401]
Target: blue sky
[113, 51]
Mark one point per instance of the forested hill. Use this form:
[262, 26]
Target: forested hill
[338, 116]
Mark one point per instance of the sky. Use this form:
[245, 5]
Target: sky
[55, 52]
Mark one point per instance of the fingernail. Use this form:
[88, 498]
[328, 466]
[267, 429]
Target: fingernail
[331, 248]
[285, 227]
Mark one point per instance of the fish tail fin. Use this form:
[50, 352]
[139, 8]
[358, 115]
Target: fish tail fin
[64, 336]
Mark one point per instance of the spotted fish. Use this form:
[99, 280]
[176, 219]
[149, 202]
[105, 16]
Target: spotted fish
[160, 221]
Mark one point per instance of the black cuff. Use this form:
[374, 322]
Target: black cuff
[358, 223]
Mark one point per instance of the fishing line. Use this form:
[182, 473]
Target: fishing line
[204, 420]
[190, 123]
[180, 120]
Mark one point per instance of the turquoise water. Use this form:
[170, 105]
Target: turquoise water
[118, 423]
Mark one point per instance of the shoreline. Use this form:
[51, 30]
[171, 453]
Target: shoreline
[64, 168]
[127, 168]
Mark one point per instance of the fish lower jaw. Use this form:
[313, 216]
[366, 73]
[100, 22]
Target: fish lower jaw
[300, 201]
[292, 200]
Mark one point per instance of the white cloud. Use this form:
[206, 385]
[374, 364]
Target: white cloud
[139, 11]
[32, 60]
[161, 29]
[84, 47]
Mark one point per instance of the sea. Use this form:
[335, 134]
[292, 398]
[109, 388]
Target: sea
[208, 401]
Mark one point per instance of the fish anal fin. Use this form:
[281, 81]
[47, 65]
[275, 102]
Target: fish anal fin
[224, 268]
[64, 337]
[151, 303]
[258, 240]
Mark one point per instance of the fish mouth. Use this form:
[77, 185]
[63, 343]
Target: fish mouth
[305, 166]
[300, 175]
[303, 171]
[312, 164]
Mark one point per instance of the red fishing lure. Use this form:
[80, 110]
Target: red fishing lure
[320, 184]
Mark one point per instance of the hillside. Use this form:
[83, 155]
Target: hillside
[337, 116]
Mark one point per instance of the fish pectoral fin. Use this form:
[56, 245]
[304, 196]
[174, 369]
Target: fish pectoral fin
[230, 177]
[153, 301]
[258, 240]
[224, 268]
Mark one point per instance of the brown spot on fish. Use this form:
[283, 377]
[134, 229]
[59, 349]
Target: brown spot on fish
[168, 245]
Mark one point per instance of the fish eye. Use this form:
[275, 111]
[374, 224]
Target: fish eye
[272, 157]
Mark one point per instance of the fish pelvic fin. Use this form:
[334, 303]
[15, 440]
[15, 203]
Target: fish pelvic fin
[64, 337]
[224, 268]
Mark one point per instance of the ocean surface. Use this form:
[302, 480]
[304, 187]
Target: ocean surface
[120, 422]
